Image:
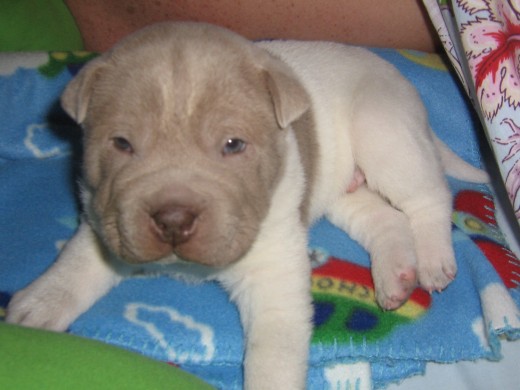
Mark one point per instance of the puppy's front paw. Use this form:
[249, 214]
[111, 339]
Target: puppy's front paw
[40, 306]
[436, 273]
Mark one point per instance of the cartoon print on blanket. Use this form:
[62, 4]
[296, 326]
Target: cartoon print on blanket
[195, 326]
[345, 309]
[474, 213]
[430, 60]
[58, 61]
[152, 319]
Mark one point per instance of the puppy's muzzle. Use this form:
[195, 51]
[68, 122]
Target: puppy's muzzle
[175, 224]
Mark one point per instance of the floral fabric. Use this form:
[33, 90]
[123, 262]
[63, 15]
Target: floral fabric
[482, 40]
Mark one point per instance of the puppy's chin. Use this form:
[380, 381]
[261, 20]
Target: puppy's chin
[174, 259]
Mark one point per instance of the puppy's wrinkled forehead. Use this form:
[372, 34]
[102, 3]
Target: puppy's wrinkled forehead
[173, 79]
[170, 75]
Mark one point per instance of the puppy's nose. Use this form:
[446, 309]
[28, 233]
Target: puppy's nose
[175, 224]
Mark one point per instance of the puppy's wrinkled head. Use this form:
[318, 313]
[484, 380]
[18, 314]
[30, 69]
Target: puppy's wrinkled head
[184, 142]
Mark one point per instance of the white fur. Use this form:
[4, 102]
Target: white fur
[271, 287]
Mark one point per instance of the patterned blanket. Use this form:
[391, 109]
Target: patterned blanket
[355, 344]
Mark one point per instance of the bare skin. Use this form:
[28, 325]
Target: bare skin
[399, 24]
[357, 180]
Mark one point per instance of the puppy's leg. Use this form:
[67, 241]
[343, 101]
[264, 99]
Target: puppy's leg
[430, 219]
[271, 287]
[79, 277]
[394, 148]
[385, 233]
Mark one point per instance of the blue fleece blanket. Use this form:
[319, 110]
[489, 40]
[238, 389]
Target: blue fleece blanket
[355, 344]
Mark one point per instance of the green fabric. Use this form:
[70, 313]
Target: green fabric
[37, 25]
[36, 359]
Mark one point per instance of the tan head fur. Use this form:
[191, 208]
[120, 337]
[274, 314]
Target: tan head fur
[183, 141]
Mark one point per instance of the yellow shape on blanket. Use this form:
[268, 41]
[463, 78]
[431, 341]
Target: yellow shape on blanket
[364, 294]
[64, 55]
[430, 60]
[60, 55]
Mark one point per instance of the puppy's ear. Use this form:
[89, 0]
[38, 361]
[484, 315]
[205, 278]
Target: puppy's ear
[75, 98]
[289, 97]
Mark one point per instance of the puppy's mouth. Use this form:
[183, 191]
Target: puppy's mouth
[171, 233]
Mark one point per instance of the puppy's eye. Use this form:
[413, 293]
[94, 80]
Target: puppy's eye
[123, 145]
[234, 146]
